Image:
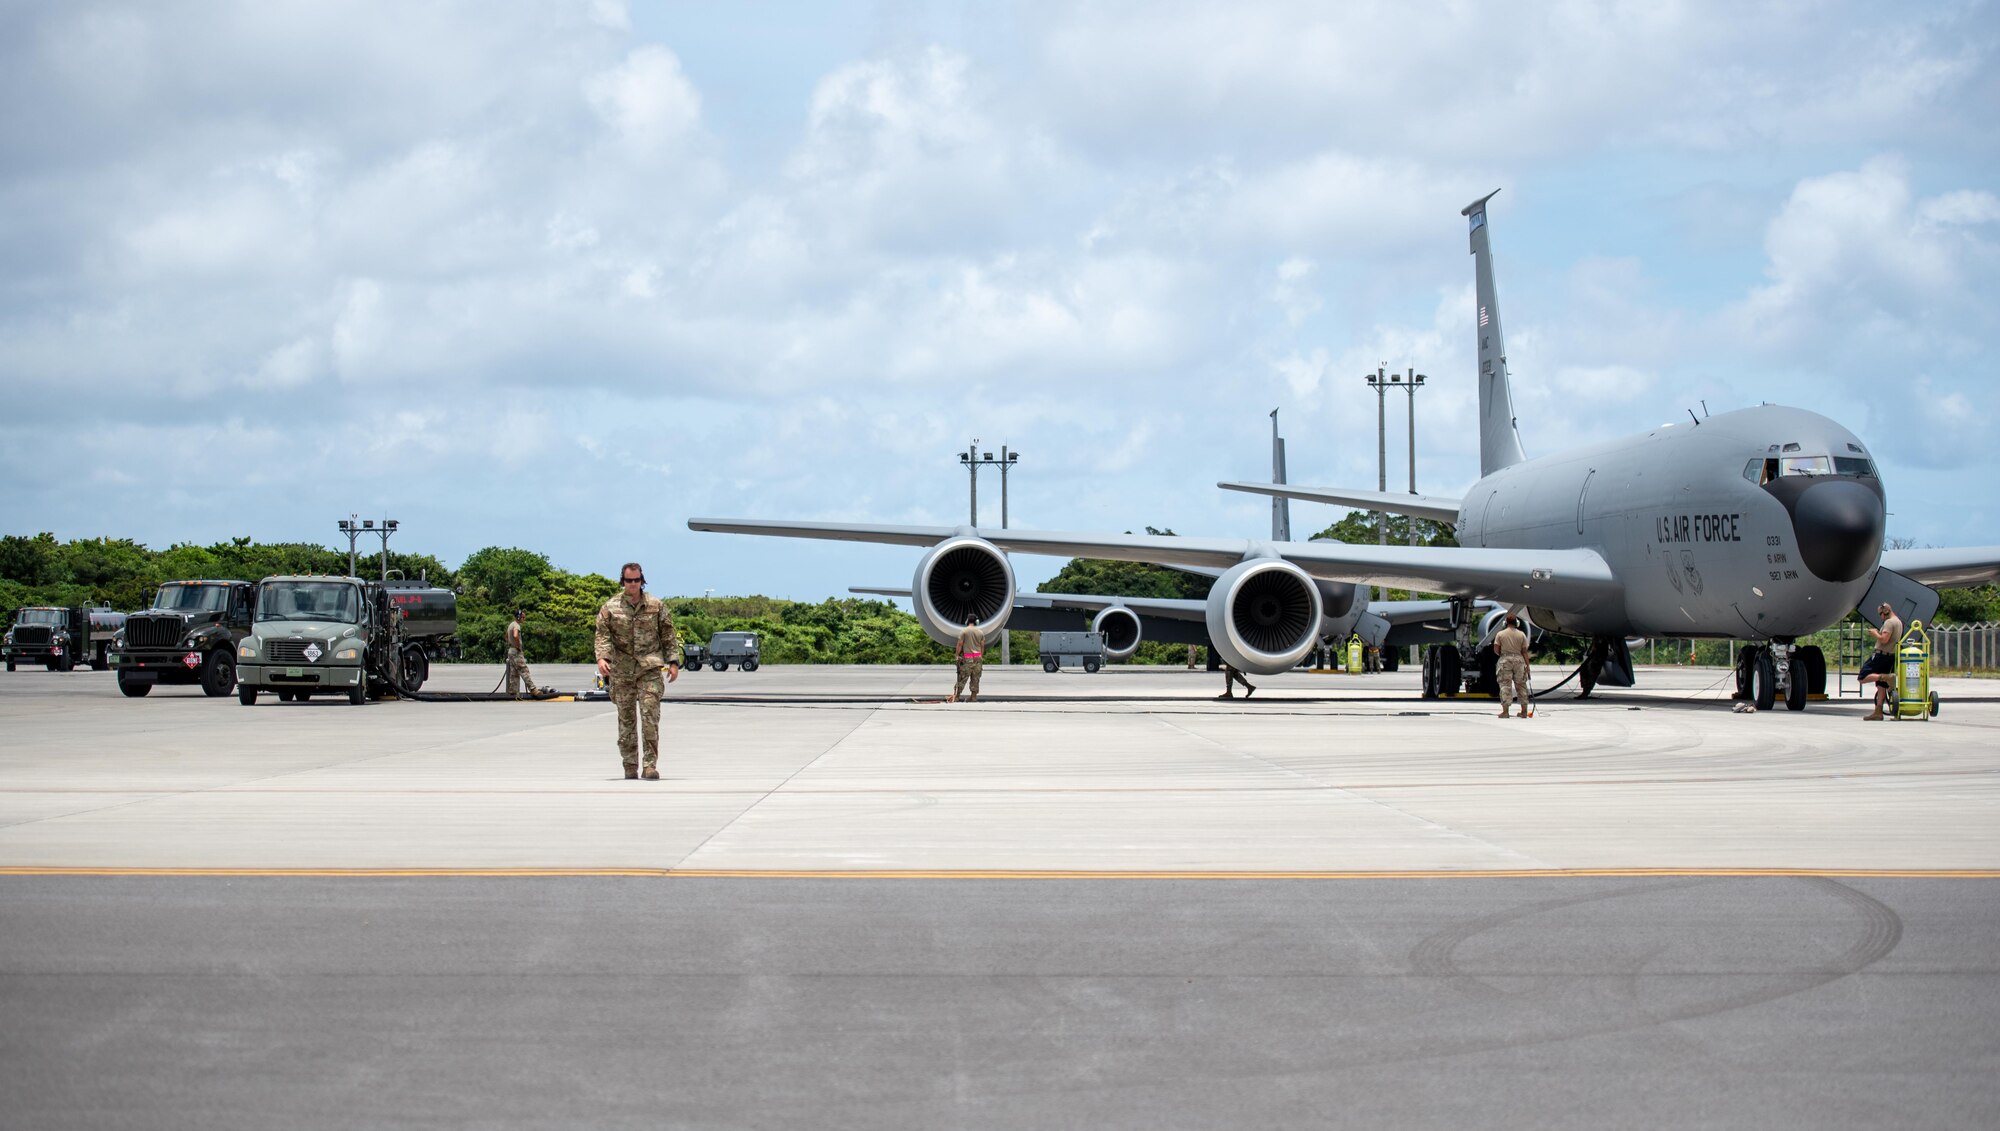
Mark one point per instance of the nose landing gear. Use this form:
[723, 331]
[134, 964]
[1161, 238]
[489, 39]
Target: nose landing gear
[1781, 669]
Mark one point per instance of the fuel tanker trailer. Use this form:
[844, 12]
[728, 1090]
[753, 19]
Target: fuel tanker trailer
[324, 635]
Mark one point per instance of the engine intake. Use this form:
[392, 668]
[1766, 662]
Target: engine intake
[1264, 615]
[1121, 630]
[962, 579]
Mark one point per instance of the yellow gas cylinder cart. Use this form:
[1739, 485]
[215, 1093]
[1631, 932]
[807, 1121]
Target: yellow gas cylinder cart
[1354, 654]
[1913, 697]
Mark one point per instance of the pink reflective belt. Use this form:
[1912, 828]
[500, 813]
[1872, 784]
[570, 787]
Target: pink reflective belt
[968, 655]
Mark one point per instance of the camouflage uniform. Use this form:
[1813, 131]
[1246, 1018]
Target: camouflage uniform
[971, 650]
[517, 664]
[637, 641]
[1511, 646]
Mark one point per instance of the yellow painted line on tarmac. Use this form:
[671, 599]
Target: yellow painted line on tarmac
[1018, 874]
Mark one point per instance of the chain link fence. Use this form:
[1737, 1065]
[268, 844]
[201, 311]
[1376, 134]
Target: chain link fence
[1964, 647]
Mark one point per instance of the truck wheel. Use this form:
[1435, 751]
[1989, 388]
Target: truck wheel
[287, 696]
[1051, 667]
[132, 688]
[1090, 665]
[416, 669]
[749, 665]
[246, 695]
[101, 662]
[719, 665]
[218, 674]
[358, 694]
[691, 666]
[10, 665]
[67, 663]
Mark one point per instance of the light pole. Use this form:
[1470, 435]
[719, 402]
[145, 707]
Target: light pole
[972, 459]
[1379, 382]
[1410, 385]
[351, 527]
[387, 528]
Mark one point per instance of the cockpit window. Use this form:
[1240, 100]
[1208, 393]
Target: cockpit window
[1806, 465]
[1754, 471]
[1847, 465]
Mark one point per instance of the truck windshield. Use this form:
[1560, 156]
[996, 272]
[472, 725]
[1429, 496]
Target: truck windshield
[192, 598]
[307, 600]
[40, 616]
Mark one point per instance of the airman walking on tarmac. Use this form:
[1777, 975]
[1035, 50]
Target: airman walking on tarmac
[1510, 645]
[635, 639]
[971, 655]
[517, 662]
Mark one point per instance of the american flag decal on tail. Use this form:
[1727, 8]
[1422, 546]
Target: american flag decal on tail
[1482, 315]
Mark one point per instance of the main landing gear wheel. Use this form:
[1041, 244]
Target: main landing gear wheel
[1764, 680]
[1430, 673]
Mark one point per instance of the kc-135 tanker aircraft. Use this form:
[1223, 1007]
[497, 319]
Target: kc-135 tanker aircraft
[1764, 524]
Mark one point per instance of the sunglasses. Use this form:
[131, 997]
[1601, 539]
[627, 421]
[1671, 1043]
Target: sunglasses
[633, 580]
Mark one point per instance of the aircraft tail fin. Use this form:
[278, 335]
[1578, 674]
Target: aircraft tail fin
[1499, 437]
[1281, 508]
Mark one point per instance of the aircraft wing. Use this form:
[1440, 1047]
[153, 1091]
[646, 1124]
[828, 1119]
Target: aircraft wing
[1567, 579]
[1434, 507]
[1949, 568]
[1166, 608]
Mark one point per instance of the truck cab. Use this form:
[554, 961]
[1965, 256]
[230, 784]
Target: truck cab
[187, 636]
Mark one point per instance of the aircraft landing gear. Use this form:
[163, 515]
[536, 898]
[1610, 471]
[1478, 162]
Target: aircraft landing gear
[1766, 673]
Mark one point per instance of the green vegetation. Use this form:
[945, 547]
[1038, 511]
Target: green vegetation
[561, 606]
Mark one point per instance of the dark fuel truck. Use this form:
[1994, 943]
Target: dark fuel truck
[60, 639]
[188, 636]
[322, 635]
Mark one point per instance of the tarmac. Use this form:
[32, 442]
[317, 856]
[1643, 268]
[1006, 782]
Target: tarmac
[1103, 900]
[1131, 771]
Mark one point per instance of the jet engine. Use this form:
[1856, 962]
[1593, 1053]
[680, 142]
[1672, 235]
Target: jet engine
[1493, 622]
[962, 579]
[1264, 615]
[1121, 630]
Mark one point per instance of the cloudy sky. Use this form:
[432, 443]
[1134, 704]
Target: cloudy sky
[561, 275]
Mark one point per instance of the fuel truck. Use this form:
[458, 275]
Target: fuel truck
[188, 636]
[60, 639]
[325, 635]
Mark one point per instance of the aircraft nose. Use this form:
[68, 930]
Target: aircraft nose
[1839, 526]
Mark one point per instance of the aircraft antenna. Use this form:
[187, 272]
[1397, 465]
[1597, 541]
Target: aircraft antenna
[1704, 406]
[1693, 417]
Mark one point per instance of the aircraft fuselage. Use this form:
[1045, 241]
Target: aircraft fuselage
[1761, 523]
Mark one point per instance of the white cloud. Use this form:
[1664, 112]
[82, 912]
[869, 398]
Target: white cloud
[646, 98]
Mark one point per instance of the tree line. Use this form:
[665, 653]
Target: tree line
[561, 606]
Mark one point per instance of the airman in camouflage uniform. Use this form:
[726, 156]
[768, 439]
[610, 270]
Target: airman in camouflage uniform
[517, 663]
[971, 654]
[635, 639]
[1510, 645]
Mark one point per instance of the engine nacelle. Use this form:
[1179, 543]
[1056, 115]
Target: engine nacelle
[1121, 630]
[1264, 616]
[961, 579]
[1493, 622]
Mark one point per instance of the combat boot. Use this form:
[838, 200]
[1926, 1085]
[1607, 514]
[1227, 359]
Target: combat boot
[652, 773]
[631, 773]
